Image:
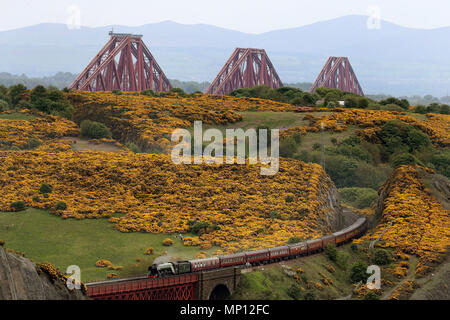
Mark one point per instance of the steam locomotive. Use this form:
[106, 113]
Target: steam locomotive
[259, 257]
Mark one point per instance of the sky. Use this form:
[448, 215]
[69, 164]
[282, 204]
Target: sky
[250, 16]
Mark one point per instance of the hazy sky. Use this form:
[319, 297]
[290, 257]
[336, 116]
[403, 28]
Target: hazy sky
[252, 16]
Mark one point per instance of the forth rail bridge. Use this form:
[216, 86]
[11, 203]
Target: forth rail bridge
[125, 63]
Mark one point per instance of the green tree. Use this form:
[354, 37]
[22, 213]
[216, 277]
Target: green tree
[94, 130]
[15, 92]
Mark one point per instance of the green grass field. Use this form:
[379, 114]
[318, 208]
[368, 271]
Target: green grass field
[16, 116]
[47, 238]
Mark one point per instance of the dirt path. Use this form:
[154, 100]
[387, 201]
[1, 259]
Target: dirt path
[83, 144]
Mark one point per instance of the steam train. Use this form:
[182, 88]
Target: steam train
[259, 257]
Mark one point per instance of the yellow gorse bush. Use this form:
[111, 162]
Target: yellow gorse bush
[437, 126]
[158, 196]
[150, 121]
[46, 128]
[421, 224]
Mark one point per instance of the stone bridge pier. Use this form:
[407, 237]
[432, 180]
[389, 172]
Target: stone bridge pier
[217, 284]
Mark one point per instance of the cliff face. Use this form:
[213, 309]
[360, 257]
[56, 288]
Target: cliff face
[330, 205]
[19, 280]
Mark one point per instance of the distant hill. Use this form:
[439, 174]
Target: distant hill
[392, 60]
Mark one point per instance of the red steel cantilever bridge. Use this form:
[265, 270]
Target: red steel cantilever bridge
[124, 63]
[245, 68]
[213, 284]
[338, 74]
[142, 288]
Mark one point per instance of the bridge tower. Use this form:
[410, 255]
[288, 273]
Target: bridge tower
[338, 74]
[124, 63]
[245, 68]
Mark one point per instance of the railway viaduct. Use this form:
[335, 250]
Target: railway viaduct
[209, 285]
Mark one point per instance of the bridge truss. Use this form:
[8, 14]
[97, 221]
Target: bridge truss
[338, 74]
[124, 63]
[170, 288]
[245, 68]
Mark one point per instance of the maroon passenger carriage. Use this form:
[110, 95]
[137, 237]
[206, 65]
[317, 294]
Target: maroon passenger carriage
[263, 256]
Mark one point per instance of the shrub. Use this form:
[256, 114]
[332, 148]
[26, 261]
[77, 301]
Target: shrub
[167, 242]
[309, 296]
[445, 109]
[381, 257]
[371, 295]
[354, 247]
[178, 91]
[316, 146]
[148, 92]
[297, 138]
[398, 137]
[61, 205]
[274, 215]
[289, 198]
[2, 243]
[33, 143]
[199, 227]
[103, 263]
[392, 107]
[358, 272]
[294, 292]
[36, 199]
[94, 130]
[118, 92]
[403, 159]
[18, 205]
[133, 147]
[3, 105]
[45, 188]
[342, 259]
[420, 109]
[287, 147]
[331, 252]
[293, 240]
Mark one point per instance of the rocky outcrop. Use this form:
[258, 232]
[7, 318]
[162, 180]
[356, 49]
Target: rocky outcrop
[330, 204]
[20, 280]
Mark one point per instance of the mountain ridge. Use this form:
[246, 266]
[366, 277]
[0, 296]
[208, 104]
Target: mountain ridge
[393, 59]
